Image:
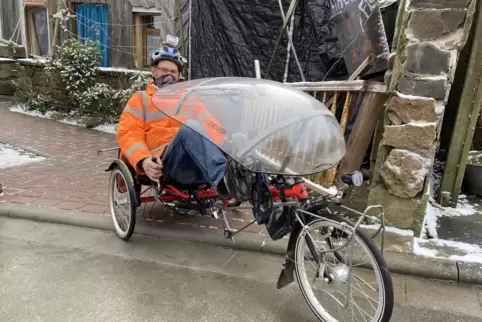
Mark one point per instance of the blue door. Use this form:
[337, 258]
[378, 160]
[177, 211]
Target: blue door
[93, 23]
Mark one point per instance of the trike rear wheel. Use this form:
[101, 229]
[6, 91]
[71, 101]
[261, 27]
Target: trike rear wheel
[348, 278]
[122, 202]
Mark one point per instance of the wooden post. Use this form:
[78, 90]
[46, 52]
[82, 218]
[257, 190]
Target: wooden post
[56, 29]
[468, 111]
[346, 111]
[369, 114]
[138, 43]
[335, 102]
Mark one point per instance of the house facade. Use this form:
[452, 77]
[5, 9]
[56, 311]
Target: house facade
[128, 30]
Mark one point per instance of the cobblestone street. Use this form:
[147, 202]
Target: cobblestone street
[73, 175]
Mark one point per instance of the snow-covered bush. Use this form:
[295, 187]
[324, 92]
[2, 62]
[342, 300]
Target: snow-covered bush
[79, 93]
[78, 65]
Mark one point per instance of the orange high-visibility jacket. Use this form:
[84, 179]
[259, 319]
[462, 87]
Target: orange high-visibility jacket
[144, 130]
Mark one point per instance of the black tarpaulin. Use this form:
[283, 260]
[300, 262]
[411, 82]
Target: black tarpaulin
[228, 35]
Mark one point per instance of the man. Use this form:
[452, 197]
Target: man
[158, 145]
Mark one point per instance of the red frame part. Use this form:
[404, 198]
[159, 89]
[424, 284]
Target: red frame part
[297, 191]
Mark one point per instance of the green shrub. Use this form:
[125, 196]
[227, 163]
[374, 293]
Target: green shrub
[78, 92]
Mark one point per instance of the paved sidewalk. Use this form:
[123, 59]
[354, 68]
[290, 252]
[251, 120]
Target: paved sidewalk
[73, 175]
[48, 269]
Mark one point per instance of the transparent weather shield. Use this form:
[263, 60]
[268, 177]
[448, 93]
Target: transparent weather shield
[266, 126]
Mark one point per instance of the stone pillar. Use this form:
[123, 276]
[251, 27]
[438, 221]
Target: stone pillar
[430, 34]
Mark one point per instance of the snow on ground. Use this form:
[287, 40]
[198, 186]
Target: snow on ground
[434, 211]
[393, 230]
[440, 248]
[430, 221]
[12, 156]
[107, 128]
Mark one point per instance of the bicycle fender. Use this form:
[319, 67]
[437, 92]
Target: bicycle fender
[287, 273]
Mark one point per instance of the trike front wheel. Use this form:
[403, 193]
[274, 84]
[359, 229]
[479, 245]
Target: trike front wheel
[122, 202]
[337, 284]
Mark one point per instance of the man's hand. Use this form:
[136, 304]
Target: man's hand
[152, 169]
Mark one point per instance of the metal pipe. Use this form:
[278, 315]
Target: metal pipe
[289, 33]
[285, 20]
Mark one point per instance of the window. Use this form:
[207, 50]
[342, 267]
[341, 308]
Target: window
[147, 36]
[37, 29]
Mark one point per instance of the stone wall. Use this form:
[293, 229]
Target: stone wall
[430, 36]
[10, 69]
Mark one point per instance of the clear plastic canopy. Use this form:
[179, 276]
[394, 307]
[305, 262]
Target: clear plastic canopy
[266, 126]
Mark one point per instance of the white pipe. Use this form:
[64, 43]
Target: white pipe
[332, 191]
[257, 69]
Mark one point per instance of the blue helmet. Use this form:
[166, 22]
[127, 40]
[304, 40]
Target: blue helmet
[167, 53]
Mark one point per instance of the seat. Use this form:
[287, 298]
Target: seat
[145, 181]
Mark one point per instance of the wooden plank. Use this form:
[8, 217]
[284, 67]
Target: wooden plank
[368, 63]
[139, 59]
[331, 86]
[350, 102]
[115, 32]
[35, 3]
[370, 112]
[127, 57]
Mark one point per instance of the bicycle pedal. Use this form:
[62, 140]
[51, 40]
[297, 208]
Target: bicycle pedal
[214, 214]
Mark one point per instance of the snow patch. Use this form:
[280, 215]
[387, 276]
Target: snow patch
[123, 70]
[412, 97]
[11, 156]
[464, 208]
[418, 249]
[434, 211]
[439, 107]
[468, 252]
[430, 221]
[41, 60]
[422, 123]
[21, 109]
[107, 128]
[437, 77]
[393, 230]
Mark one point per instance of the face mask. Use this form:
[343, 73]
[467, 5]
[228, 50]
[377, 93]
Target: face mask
[164, 80]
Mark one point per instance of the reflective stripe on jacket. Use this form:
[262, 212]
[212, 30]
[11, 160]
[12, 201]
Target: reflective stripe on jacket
[145, 131]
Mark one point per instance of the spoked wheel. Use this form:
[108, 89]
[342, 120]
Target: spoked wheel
[350, 284]
[122, 202]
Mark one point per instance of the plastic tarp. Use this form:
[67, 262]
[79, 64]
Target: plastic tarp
[228, 35]
[360, 29]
